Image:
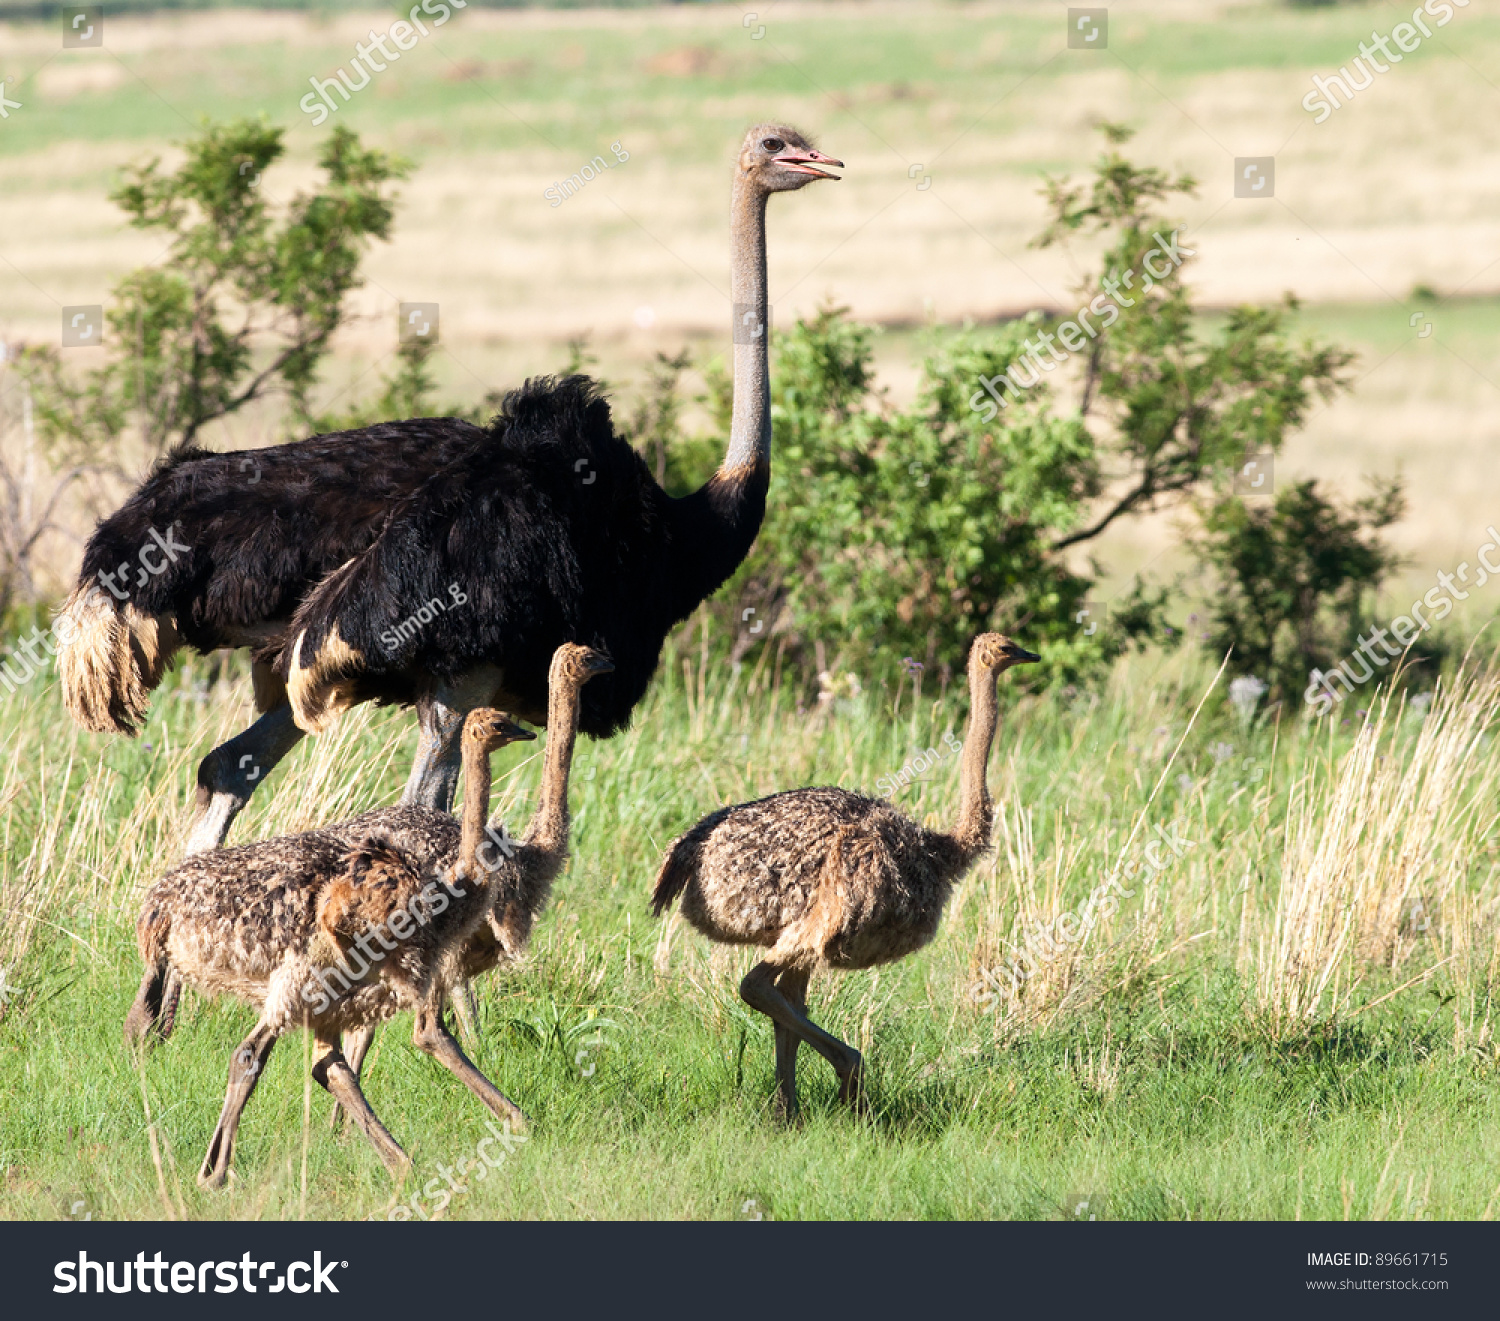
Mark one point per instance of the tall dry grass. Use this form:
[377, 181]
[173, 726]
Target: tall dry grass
[1351, 863]
[88, 824]
[1361, 863]
[1286, 941]
[1387, 842]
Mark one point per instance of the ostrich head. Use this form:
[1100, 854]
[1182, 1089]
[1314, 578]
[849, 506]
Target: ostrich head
[489, 729]
[575, 665]
[994, 653]
[778, 159]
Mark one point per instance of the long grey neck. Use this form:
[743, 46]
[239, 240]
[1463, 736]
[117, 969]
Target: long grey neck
[548, 830]
[750, 422]
[976, 810]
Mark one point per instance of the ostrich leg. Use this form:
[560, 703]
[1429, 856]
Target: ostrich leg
[234, 770]
[357, 1042]
[245, 1066]
[433, 780]
[792, 984]
[759, 990]
[440, 715]
[331, 1070]
[434, 773]
[465, 1006]
[429, 1034]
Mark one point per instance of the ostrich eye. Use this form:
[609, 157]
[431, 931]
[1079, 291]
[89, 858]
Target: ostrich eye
[773, 144]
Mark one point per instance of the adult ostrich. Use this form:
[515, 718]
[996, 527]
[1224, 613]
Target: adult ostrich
[428, 562]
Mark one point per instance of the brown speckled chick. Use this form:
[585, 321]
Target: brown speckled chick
[337, 930]
[826, 878]
[538, 856]
[267, 922]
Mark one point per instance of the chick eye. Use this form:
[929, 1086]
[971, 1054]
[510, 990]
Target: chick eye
[773, 144]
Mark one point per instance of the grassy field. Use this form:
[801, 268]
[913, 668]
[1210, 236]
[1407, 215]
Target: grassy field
[983, 98]
[1294, 1019]
[1393, 192]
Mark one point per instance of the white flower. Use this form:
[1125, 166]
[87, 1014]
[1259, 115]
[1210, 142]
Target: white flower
[834, 687]
[1245, 694]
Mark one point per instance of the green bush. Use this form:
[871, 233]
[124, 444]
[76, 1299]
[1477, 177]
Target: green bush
[245, 306]
[895, 535]
[1297, 580]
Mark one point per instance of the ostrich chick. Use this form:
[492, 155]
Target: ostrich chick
[826, 878]
[540, 853]
[277, 923]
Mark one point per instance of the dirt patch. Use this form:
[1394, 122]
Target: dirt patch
[62, 82]
[685, 62]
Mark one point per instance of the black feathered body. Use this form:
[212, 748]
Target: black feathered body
[263, 526]
[503, 541]
[556, 532]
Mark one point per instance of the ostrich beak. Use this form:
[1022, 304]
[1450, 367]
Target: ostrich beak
[515, 733]
[600, 665]
[806, 162]
[1019, 655]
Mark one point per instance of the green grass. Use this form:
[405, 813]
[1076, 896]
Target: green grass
[1158, 1068]
[1469, 326]
[873, 67]
[1151, 1071]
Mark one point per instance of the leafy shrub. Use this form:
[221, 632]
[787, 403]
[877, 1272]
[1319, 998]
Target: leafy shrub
[245, 305]
[896, 534]
[902, 533]
[1297, 580]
